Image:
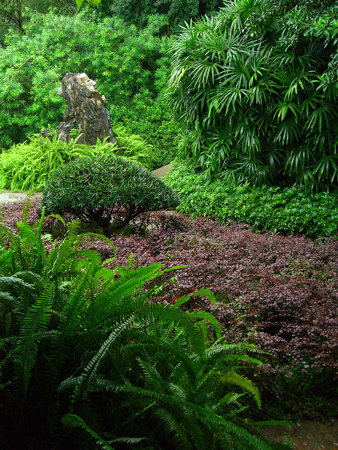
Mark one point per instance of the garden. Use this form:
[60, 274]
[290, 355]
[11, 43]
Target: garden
[195, 310]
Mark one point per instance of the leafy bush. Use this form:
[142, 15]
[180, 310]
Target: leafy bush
[135, 148]
[78, 343]
[97, 188]
[288, 211]
[255, 86]
[151, 120]
[130, 68]
[27, 166]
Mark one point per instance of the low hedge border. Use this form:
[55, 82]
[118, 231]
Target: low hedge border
[287, 211]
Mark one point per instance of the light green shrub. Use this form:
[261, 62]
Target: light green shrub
[130, 68]
[27, 166]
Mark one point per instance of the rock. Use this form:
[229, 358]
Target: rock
[86, 107]
[46, 133]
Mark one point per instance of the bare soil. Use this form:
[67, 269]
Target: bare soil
[307, 435]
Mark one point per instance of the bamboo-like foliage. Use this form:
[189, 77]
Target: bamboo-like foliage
[27, 166]
[256, 86]
[84, 343]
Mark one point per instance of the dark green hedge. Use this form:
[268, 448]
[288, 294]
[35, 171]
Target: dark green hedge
[98, 189]
[288, 211]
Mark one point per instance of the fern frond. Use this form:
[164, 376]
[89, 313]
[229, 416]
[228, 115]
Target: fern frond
[34, 323]
[243, 382]
[207, 317]
[75, 421]
[8, 303]
[91, 368]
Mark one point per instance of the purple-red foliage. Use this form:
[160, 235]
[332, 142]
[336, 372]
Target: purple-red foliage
[277, 292]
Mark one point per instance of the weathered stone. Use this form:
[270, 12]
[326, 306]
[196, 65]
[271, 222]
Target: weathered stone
[86, 107]
[46, 133]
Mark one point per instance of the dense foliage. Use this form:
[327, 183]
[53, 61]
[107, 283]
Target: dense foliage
[78, 343]
[274, 291]
[15, 13]
[27, 166]
[99, 188]
[128, 65]
[289, 211]
[255, 87]
[176, 11]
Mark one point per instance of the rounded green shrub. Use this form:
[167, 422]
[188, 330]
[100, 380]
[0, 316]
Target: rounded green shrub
[99, 189]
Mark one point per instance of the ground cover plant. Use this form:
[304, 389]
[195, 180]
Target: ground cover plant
[278, 292]
[99, 189]
[83, 348]
[255, 88]
[291, 210]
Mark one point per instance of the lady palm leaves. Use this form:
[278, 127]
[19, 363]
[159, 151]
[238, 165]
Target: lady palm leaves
[262, 96]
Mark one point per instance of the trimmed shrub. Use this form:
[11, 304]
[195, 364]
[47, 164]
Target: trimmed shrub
[97, 189]
[289, 211]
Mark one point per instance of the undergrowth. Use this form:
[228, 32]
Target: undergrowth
[88, 361]
[27, 166]
[290, 210]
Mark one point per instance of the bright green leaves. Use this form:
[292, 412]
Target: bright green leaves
[27, 166]
[290, 210]
[129, 66]
[92, 2]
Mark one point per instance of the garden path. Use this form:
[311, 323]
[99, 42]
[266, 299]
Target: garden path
[12, 197]
[307, 435]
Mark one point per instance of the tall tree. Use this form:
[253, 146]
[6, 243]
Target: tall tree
[12, 14]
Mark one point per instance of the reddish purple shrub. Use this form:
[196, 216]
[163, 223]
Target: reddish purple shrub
[274, 291]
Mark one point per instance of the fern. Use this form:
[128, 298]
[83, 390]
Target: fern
[34, 325]
[80, 343]
[92, 367]
[74, 421]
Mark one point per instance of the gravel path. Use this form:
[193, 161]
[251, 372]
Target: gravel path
[12, 197]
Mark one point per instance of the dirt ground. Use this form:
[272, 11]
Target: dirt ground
[307, 435]
[12, 197]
